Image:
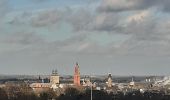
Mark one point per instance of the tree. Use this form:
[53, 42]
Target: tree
[47, 95]
[70, 94]
[3, 94]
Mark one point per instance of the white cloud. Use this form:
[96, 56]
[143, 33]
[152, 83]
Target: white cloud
[139, 17]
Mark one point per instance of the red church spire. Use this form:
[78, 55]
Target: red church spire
[77, 75]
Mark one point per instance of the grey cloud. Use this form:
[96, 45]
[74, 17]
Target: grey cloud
[46, 18]
[147, 38]
[127, 5]
[4, 8]
[38, 1]
[145, 32]
[22, 38]
[107, 22]
[80, 20]
[135, 46]
[83, 20]
[146, 26]
[20, 19]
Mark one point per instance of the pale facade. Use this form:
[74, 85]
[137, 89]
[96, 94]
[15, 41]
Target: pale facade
[109, 80]
[54, 78]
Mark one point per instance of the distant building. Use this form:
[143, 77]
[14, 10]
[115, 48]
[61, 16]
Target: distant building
[109, 81]
[54, 78]
[41, 86]
[163, 82]
[77, 75]
[132, 83]
[86, 81]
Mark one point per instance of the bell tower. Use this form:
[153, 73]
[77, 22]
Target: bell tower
[77, 75]
[54, 78]
[109, 80]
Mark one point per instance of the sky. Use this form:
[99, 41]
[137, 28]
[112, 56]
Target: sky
[122, 37]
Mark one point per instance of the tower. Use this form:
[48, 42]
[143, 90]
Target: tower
[132, 83]
[54, 78]
[77, 75]
[109, 80]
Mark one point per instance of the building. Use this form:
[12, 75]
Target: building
[163, 82]
[40, 87]
[54, 83]
[77, 75]
[109, 81]
[132, 83]
[54, 78]
[86, 81]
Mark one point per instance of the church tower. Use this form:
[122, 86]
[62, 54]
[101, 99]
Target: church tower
[109, 80]
[54, 78]
[77, 75]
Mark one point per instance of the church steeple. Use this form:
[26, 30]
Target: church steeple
[77, 75]
[54, 78]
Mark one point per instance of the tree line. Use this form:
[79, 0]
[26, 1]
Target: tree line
[24, 92]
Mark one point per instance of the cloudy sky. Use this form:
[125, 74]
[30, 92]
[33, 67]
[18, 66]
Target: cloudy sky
[123, 37]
